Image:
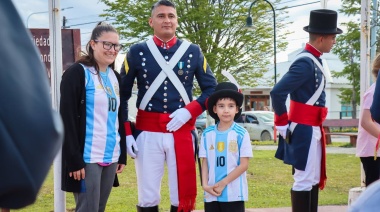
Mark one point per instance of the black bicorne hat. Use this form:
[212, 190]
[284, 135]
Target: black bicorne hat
[323, 21]
[225, 90]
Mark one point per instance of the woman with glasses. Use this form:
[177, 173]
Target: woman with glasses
[94, 147]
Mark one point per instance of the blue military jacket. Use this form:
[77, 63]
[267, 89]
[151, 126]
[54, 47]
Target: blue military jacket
[301, 82]
[141, 65]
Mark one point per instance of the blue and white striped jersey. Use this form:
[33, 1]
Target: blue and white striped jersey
[102, 140]
[223, 151]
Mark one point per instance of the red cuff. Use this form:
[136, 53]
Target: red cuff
[194, 108]
[281, 120]
[127, 127]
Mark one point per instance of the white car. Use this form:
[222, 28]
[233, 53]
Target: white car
[259, 124]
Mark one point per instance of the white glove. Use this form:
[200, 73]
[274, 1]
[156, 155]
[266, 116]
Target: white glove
[131, 143]
[282, 130]
[179, 118]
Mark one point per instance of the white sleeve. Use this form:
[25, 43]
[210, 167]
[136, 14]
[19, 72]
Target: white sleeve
[246, 147]
[202, 150]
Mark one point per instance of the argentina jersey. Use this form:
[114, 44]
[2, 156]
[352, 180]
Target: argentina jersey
[223, 151]
[102, 102]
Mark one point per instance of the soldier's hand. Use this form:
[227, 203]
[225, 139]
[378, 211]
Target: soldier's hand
[282, 130]
[179, 118]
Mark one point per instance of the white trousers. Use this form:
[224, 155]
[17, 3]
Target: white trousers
[154, 150]
[304, 180]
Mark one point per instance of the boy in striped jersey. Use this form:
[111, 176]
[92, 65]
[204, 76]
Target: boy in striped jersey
[225, 150]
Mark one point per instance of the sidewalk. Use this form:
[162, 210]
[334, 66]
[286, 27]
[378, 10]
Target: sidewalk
[326, 208]
[334, 150]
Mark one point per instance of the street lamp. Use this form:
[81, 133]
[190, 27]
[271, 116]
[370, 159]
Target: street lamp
[249, 24]
[27, 20]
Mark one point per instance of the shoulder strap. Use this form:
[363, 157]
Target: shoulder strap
[167, 71]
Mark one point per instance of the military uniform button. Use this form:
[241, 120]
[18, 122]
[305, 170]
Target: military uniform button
[143, 64]
[149, 108]
[141, 53]
[317, 103]
[165, 100]
[166, 57]
[165, 94]
[165, 88]
[144, 59]
[165, 106]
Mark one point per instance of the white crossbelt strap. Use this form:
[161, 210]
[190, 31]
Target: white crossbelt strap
[318, 92]
[167, 71]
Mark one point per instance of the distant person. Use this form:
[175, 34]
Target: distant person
[225, 150]
[30, 130]
[94, 148]
[368, 133]
[302, 142]
[165, 68]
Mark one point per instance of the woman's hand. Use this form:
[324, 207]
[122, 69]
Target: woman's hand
[78, 175]
[120, 168]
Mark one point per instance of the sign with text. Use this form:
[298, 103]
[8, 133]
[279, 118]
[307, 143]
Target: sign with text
[71, 46]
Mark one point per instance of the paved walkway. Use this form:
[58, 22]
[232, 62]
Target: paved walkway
[334, 150]
[326, 208]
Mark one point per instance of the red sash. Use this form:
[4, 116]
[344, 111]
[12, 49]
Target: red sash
[311, 115]
[183, 145]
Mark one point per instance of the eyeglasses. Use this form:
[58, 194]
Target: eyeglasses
[108, 45]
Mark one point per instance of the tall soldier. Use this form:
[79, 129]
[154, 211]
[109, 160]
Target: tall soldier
[165, 67]
[302, 141]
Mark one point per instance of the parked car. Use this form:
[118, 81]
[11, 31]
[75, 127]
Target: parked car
[259, 124]
[200, 123]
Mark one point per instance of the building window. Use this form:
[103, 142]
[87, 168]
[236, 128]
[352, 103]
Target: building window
[346, 110]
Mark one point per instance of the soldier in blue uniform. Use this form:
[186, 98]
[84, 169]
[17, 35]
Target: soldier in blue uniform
[165, 68]
[302, 141]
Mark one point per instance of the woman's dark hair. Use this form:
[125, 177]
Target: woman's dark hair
[88, 58]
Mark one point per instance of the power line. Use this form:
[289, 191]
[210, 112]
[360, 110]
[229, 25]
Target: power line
[113, 19]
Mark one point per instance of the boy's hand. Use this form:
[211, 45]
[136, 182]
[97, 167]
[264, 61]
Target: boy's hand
[210, 190]
[219, 187]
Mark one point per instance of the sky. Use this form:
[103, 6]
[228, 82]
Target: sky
[85, 14]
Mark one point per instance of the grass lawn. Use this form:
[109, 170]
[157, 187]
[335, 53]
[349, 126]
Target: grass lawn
[269, 185]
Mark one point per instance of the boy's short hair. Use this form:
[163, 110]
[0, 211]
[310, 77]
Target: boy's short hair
[225, 90]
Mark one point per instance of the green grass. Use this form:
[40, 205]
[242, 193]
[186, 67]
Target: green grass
[269, 185]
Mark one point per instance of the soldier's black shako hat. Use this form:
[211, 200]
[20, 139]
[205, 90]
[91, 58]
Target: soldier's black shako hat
[323, 21]
[225, 90]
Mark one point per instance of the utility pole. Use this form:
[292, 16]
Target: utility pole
[64, 21]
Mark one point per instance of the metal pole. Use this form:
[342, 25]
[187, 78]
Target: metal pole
[373, 30]
[364, 53]
[27, 19]
[56, 73]
[274, 35]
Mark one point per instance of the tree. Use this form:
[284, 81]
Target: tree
[348, 50]
[217, 26]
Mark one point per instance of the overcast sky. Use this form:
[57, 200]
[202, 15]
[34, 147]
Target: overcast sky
[85, 15]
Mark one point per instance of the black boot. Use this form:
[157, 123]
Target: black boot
[173, 208]
[314, 198]
[147, 209]
[300, 201]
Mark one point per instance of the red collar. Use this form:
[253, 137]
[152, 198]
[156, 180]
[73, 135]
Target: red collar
[313, 50]
[166, 45]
